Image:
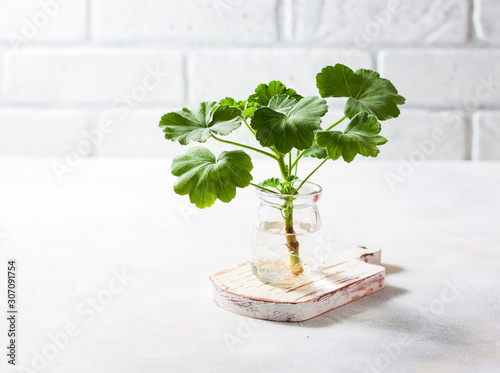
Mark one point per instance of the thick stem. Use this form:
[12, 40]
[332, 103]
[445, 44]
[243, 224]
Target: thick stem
[291, 239]
[283, 168]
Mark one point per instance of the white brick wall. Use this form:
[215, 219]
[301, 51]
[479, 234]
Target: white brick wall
[215, 74]
[364, 22]
[136, 134]
[22, 22]
[96, 75]
[441, 135]
[486, 20]
[64, 65]
[40, 132]
[436, 78]
[486, 136]
[195, 21]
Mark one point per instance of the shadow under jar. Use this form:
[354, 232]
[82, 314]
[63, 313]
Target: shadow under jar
[286, 237]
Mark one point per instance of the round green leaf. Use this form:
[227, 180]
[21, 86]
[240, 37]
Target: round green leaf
[198, 125]
[206, 178]
[291, 124]
[264, 92]
[366, 90]
[360, 137]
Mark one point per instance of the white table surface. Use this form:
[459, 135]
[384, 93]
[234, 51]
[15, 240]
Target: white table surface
[439, 312]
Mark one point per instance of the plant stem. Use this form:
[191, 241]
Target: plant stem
[291, 239]
[334, 124]
[277, 153]
[250, 128]
[316, 169]
[247, 147]
[296, 163]
[283, 168]
[261, 187]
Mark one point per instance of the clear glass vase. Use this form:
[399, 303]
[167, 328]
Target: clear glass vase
[286, 237]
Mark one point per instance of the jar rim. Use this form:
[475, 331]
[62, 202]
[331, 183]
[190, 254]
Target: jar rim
[316, 191]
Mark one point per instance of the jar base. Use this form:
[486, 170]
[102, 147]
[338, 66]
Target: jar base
[277, 272]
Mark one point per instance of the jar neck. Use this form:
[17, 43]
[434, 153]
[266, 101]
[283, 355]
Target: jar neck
[307, 195]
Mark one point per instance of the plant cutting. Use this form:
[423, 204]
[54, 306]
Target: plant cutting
[288, 127]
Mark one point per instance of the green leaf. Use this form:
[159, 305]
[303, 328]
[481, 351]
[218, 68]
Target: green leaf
[291, 125]
[198, 125]
[366, 90]
[316, 152]
[249, 112]
[284, 187]
[264, 92]
[272, 182]
[247, 108]
[206, 178]
[229, 101]
[282, 103]
[360, 137]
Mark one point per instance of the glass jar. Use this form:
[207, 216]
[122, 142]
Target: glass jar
[286, 237]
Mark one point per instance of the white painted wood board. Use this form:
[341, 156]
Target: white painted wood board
[353, 273]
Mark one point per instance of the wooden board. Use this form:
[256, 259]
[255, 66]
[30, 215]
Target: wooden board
[352, 274]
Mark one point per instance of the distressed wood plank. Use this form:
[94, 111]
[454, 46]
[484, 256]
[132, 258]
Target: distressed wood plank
[349, 275]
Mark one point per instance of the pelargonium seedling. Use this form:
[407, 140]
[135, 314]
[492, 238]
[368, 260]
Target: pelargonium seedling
[288, 127]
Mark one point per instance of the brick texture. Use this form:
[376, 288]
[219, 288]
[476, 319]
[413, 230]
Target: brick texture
[365, 22]
[438, 135]
[135, 134]
[215, 74]
[486, 136]
[66, 64]
[93, 75]
[40, 132]
[195, 21]
[466, 79]
[486, 20]
[22, 22]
